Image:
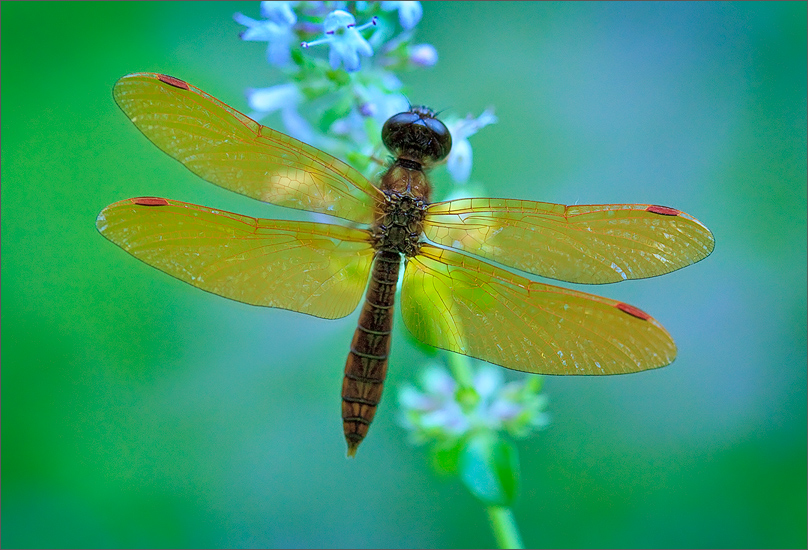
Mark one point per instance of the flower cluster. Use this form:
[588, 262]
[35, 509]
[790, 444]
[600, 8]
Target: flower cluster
[340, 104]
[446, 412]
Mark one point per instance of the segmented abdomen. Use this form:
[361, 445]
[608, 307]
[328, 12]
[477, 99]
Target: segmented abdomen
[367, 361]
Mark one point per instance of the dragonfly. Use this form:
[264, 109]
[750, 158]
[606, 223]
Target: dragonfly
[452, 297]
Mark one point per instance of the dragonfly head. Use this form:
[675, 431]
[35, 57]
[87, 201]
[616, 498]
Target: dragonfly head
[417, 135]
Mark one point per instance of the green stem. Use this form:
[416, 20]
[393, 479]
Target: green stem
[504, 526]
[460, 365]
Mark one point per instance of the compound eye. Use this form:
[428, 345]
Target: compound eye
[442, 143]
[394, 128]
[417, 134]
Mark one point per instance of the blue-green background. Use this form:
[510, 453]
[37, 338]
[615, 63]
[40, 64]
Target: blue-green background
[139, 411]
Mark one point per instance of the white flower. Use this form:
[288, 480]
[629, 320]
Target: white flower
[375, 103]
[459, 161]
[423, 55]
[352, 127]
[267, 100]
[381, 104]
[346, 43]
[276, 30]
[444, 410]
[434, 411]
[409, 13]
[285, 98]
[280, 12]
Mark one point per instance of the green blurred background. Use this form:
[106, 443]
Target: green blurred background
[139, 411]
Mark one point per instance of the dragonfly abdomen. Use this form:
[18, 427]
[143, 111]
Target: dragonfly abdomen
[366, 366]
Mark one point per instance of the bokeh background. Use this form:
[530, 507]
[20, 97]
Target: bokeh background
[139, 411]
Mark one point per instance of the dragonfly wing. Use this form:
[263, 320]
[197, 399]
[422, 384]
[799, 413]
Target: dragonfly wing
[313, 268]
[227, 148]
[602, 243]
[455, 302]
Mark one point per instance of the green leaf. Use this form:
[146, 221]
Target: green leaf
[489, 467]
[340, 109]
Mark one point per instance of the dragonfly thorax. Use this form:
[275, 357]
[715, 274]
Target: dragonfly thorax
[401, 223]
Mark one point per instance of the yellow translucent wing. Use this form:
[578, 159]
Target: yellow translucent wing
[602, 243]
[458, 303]
[313, 268]
[230, 149]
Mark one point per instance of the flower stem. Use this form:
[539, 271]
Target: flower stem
[504, 526]
[460, 365]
